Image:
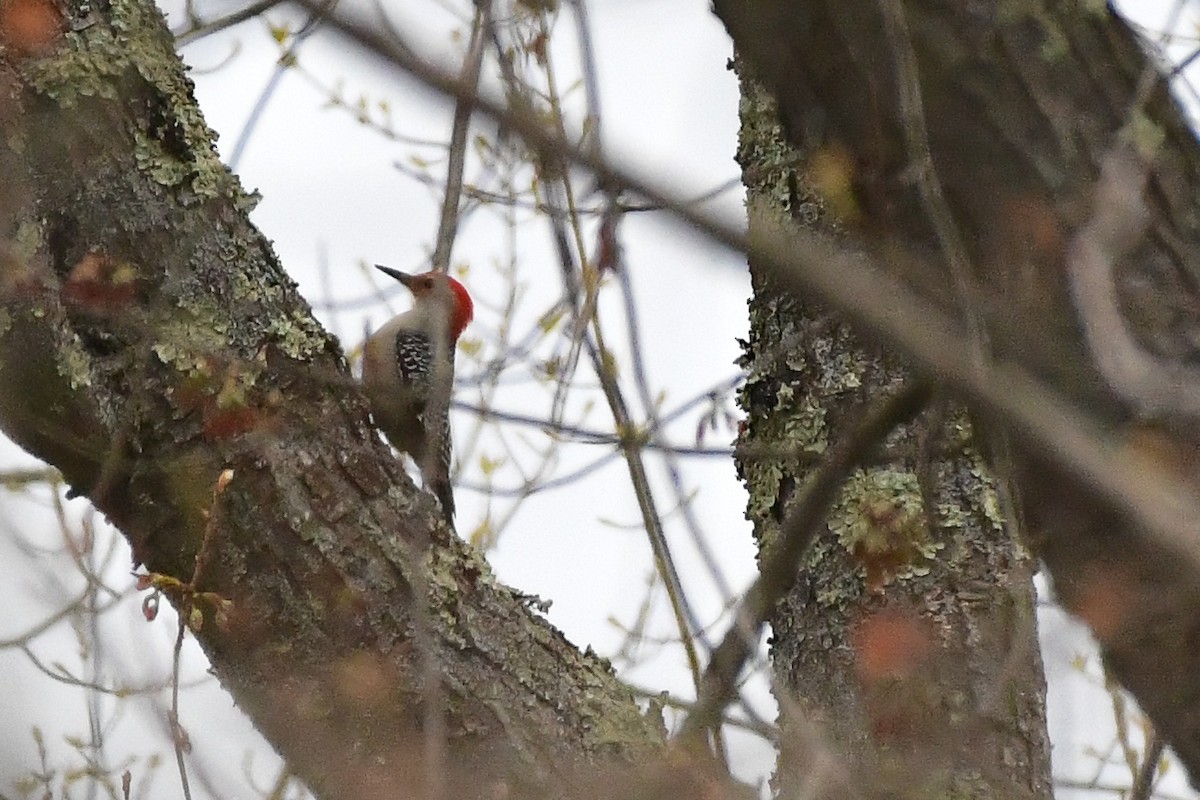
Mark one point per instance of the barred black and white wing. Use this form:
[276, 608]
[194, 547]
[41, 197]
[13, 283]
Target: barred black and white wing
[430, 375]
[414, 360]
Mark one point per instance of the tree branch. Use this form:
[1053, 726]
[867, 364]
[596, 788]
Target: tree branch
[150, 340]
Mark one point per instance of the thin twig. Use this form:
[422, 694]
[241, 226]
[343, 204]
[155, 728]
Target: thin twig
[13, 479]
[187, 608]
[95, 648]
[200, 30]
[49, 622]
[59, 674]
[178, 735]
[657, 442]
[765, 730]
[1121, 722]
[463, 107]
[580, 435]
[591, 82]
[1120, 790]
[316, 14]
[279, 789]
[1143, 783]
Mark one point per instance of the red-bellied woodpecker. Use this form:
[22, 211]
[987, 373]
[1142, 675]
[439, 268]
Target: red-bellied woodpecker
[408, 375]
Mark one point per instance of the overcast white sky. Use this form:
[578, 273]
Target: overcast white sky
[332, 195]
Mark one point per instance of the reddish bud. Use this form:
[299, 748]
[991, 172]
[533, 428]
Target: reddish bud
[150, 607]
[100, 284]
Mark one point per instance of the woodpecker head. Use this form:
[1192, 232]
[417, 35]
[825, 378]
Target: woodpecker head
[440, 289]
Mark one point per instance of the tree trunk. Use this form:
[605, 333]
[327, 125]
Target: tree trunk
[149, 340]
[909, 638]
[1025, 165]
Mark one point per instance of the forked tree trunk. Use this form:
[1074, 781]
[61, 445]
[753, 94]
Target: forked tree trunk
[1024, 165]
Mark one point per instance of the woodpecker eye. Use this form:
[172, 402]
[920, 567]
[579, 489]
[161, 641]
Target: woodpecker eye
[427, 283]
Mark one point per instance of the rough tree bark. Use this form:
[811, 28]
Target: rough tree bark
[994, 154]
[909, 638]
[149, 340]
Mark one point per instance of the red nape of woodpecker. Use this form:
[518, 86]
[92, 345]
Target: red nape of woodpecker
[408, 375]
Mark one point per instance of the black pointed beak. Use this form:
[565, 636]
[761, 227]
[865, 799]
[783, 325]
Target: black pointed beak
[403, 277]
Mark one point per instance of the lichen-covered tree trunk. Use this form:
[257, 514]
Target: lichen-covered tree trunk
[150, 340]
[1024, 165]
[909, 638]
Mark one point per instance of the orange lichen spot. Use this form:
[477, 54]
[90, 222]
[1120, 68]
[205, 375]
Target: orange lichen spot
[880, 565]
[29, 27]
[831, 174]
[227, 408]
[99, 283]
[890, 644]
[892, 546]
[226, 423]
